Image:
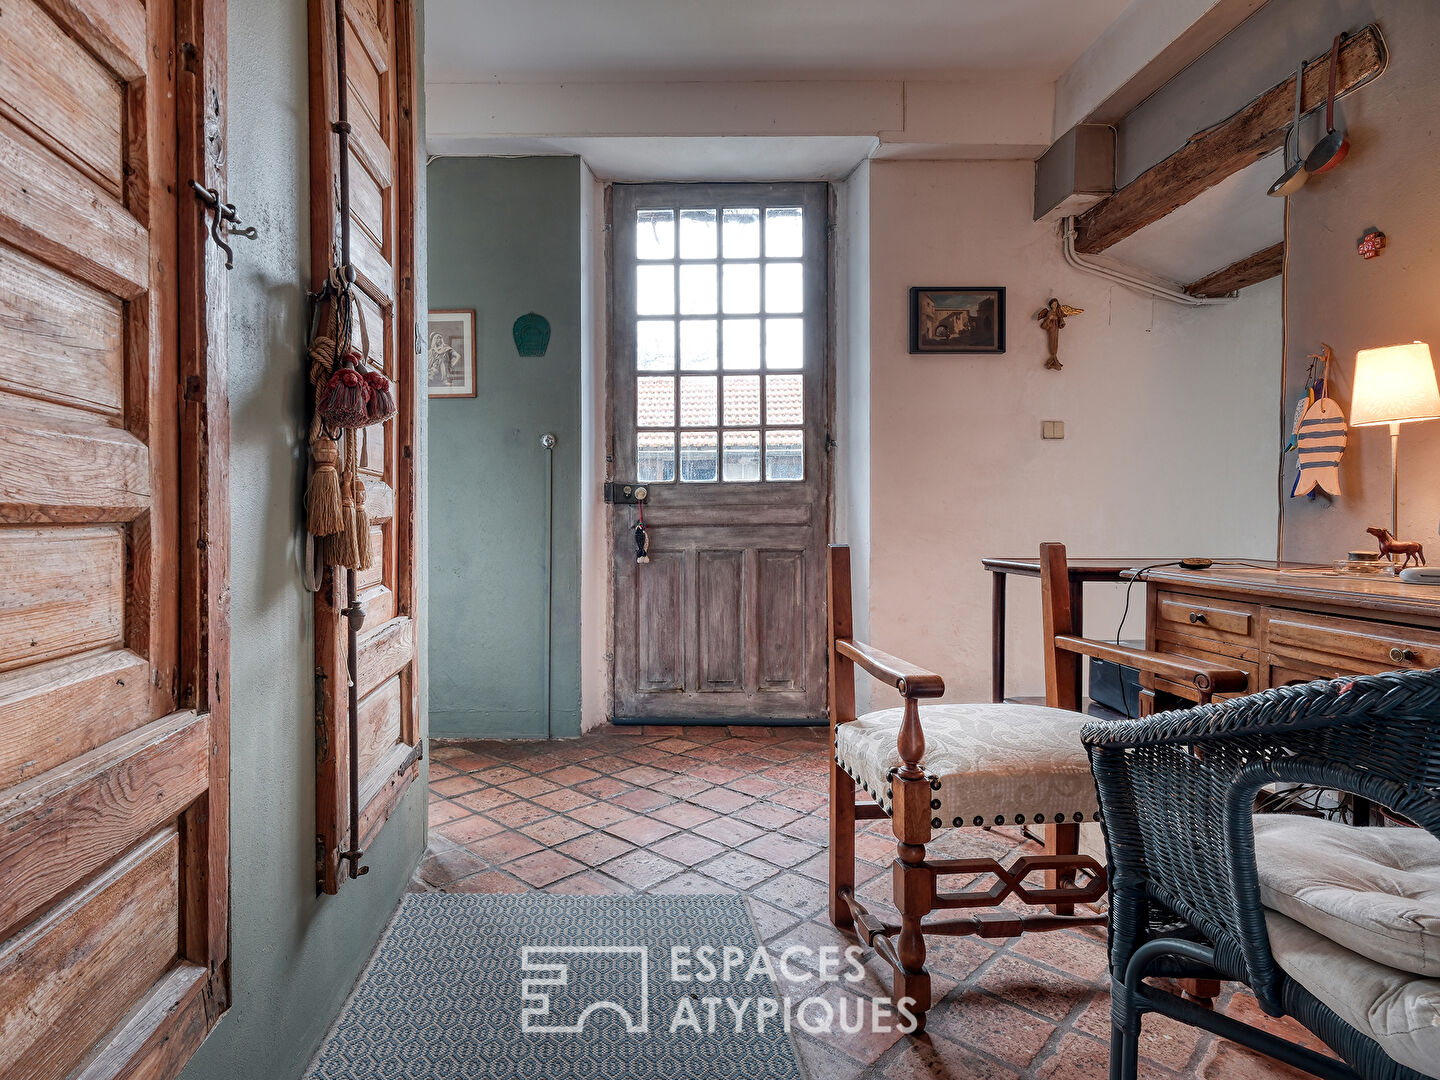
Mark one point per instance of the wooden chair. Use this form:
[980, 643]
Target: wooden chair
[966, 766]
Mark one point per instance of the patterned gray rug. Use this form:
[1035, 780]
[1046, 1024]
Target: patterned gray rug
[537, 986]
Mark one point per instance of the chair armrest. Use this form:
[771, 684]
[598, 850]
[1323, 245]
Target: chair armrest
[910, 680]
[1204, 676]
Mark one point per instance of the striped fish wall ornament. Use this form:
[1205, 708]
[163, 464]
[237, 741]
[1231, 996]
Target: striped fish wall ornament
[1321, 435]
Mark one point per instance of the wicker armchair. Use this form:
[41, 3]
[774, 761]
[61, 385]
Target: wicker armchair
[1177, 791]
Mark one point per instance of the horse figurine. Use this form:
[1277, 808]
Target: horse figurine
[1391, 547]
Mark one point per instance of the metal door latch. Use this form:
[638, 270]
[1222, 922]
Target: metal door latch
[625, 494]
[223, 211]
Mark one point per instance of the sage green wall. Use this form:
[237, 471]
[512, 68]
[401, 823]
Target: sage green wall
[504, 241]
[294, 955]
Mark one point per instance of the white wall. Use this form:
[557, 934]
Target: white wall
[595, 624]
[1170, 441]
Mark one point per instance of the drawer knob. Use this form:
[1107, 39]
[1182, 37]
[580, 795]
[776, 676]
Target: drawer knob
[1197, 616]
[1400, 655]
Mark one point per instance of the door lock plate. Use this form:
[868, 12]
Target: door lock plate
[624, 494]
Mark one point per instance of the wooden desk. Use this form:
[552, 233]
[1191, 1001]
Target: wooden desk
[1106, 568]
[1291, 624]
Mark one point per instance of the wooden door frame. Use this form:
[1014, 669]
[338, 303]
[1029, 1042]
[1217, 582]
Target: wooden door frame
[605, 382]
[332, 742]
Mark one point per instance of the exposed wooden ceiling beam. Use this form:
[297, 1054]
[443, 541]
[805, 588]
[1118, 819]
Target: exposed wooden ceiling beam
[1250, 270]
[1212, 155]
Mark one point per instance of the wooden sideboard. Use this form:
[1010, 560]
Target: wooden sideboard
[1290, 625]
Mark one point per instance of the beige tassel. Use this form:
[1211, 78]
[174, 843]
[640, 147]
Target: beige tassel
[322, 498]
[364, 556]
[350, 552]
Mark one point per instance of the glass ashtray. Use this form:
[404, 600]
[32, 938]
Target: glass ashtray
[1362, 567]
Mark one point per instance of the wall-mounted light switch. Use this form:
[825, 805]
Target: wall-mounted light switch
[1052, 429]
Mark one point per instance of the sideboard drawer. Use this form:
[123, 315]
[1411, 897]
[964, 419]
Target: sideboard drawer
[1205, 617]
[1376, 646]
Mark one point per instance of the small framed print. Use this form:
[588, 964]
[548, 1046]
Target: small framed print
[957, 319]
[450, 357]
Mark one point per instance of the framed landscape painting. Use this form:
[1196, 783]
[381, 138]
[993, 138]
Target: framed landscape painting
[450, 354]
[957, 319]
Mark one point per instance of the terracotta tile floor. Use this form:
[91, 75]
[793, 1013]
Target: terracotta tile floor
[697, 810]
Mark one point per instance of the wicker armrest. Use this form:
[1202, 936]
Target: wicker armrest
[912, 681]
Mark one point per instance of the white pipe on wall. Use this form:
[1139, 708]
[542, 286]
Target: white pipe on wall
[1132, 279]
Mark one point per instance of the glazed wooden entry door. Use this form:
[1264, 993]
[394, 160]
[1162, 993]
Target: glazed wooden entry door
[720, 384]
[380, 88]
[113, 538]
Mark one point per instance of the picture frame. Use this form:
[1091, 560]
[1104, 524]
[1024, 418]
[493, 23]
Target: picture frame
[450, 353]
[957, 319]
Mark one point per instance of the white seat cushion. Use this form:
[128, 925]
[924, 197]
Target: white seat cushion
[1374, 891]
[987, 764]
[1397, 1009]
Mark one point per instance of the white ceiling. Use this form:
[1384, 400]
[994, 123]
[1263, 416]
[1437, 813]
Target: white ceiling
[702, 40]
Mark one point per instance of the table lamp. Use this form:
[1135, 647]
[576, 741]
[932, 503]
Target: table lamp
[1394, 385]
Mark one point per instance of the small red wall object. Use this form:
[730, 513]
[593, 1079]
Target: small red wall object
[1371, 243]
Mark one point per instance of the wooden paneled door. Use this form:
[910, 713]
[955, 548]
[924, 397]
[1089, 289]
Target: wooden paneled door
[720, 373]
[380, 84]
[114, 435]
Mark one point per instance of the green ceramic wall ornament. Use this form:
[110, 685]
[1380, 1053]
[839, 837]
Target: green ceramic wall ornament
[532, 334]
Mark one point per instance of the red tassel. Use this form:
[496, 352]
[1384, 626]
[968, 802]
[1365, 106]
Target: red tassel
[382, 398]
[343, 401]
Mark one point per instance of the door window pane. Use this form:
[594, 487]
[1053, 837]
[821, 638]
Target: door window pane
[697, 400]
[742, 456]
[742, 344]
[784, 455]
[697, 289]
[783, 233]
[784, 399]
[784, 288]
[742, 234]
[655, 290]
[699, 457]
[655, 234]
[742, 401]
[655, 457]
[655, 345]
[655, 401]
[697, 345]
[784, 344]
[697, 234]
[742, 288]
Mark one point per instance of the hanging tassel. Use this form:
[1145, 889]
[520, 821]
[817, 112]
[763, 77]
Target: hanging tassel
[381, 406]
[349, 549]
[344, 399]
[322, 497]
[363, 555]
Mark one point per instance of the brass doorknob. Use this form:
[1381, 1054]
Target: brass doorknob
[1400, 655]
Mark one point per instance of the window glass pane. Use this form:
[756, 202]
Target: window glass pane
[655, 457]
[784, 287]
[655, 345]
[784, 344]
[697, 345]
[784, 399]
[784, 455]
[697, 400]
[742, 456]
[655, 234]
[697, 234]
[783, 233]
[699, 457]
[655, 401]
[697, 289]
[742, 287]
[742, 234]
[742, 344]
[655, 290]
[742, 400]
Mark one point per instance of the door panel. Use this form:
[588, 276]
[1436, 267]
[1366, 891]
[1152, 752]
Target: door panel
[379, 55]
[113, 647]
[720, 381]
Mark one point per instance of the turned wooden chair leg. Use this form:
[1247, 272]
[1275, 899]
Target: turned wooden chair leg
[914, 895]
[842, 844]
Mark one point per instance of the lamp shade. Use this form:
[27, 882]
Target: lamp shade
[1394, 384]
